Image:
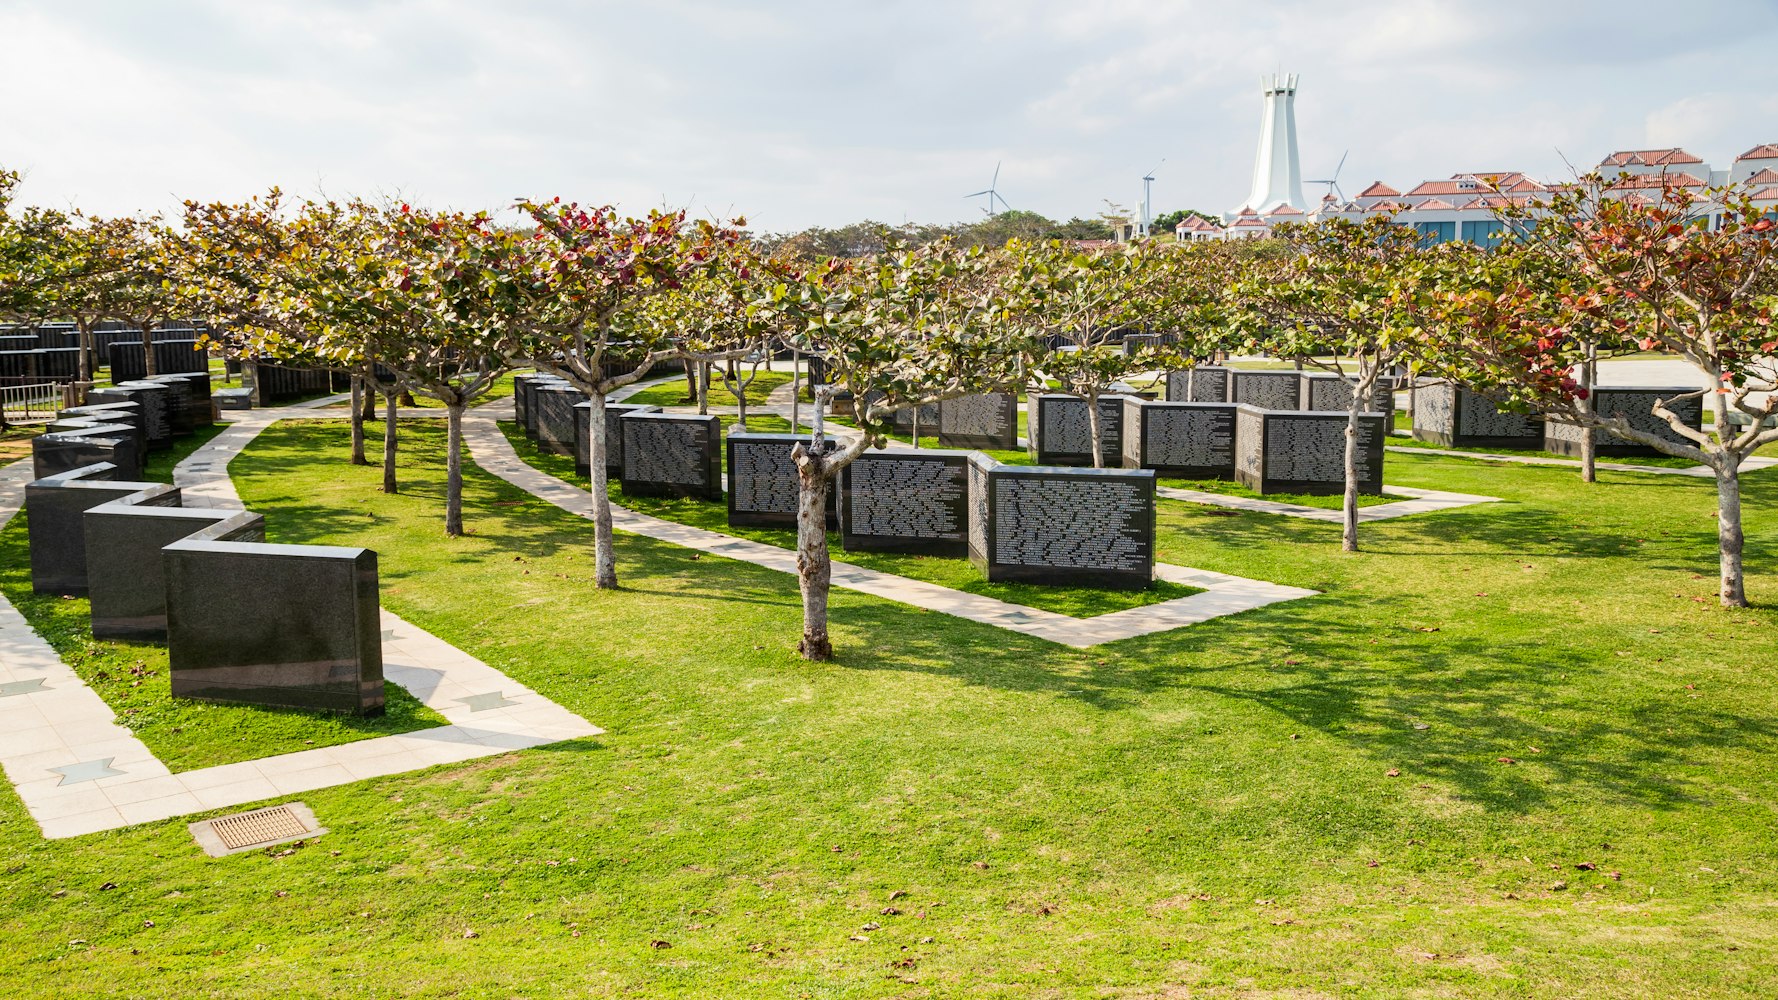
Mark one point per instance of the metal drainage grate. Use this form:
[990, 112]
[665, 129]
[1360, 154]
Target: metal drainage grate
[250, 831]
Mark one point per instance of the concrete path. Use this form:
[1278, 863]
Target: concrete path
[1752, 464]
[1418, 502]
[1222, 594]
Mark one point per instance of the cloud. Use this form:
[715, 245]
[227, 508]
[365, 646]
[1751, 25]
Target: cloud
[799, 113]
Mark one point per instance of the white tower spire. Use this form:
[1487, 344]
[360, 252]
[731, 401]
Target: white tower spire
[1277, 173]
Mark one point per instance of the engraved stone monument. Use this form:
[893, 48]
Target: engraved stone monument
[671, 455]
[985, 420]
[1457, 418]
[1635, 404]
[1303, 451]
[1064, 436]
[906, 501]
[1062, 526]
[1183, 440]
[1270, 390]
[762, 481]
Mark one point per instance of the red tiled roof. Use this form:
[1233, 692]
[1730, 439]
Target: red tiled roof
[1378, 189]
[1386, 206]
[1435, 204]
[1198, 224]
[1645, 181]
[1285, 210]
[1249, 222]
[1767, 151]
[1765, 194]
[1649, 158]
[1766, 176]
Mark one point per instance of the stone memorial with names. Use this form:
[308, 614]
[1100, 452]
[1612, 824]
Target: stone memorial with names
[1636, 405]
[762, 481]
[672, 455]
[1324, 391]
[988, 420]
[1452, 417]
[1062, 526]
[1304, 451]
[1064, 435]
[906, 501]
[1183, 440]
[1270, 390]
[614, 435]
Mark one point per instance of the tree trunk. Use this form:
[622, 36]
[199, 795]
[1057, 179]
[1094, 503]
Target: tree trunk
[1589, 438]
[1349, 505]
[454, 470]
[604, 550]
[691, 380]
[149, 368]
[703, 388]
[1031, 422]
[1729, 537]
[358, 420]
[1093, 431]
[814, 565]
[915, 417]
[796, 391]
[392, 398]
[88, 363]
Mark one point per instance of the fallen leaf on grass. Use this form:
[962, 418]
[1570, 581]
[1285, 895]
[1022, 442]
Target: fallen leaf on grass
[1394, 772]
[1506, 760]
[859, 937]
[1587, 866]
[658, 945]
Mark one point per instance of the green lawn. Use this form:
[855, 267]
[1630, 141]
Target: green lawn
[675, 393]
[1231, 488]
[951, 809]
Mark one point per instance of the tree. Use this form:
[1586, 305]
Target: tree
[1330, 304]
[900, 331]
[1167, 221]
[1073, 307]
[575, 278]
[151, 270]
[718, 320]
[1657, 269]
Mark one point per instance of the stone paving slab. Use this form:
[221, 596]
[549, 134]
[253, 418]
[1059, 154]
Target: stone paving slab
[1223, 595]
[78, 771]
[1418, 502]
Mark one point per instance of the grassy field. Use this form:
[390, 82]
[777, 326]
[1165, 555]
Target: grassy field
[1512, 751]
[674, 393]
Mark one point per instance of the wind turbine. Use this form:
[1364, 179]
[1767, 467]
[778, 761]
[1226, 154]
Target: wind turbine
[992, 193]
[1147, 188]
[1333, 183]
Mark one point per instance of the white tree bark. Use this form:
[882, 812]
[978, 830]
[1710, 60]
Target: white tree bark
[391, 398]
[454, 470]
[358, 421]
[1729, 538]
[604, 548]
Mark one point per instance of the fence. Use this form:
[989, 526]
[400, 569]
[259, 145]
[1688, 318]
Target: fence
[29, 404]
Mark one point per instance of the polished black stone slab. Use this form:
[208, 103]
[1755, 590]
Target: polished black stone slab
[54, 508]
[614, 435]
[124, 538]
[1327, 391]
[71, 444]
[552, 411]
[906, 500]
[1064, 436]
[273, 382]
[1183, 440]
[1452, 417]
[123, 412]
[1304, 451]
[1271, 390]
[988, 420]
[1066, 527]
[200, 409]
[762, 482]
[233, 398]
[1635, 404]
[234, 633]
[154, 400]
[170, 357]
[672, 454]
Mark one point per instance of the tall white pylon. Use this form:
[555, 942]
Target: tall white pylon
[1277, 172]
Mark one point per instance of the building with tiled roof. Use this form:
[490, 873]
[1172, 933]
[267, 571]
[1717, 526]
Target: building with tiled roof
[1196, 227]
[1636, 161]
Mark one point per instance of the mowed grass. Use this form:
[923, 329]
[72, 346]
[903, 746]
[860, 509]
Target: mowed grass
[677, 391]
[955, 573]
[950, 809]
[133, 678]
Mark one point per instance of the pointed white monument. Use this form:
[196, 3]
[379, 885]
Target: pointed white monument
[1277, 173]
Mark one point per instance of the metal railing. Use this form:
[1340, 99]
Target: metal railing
[29, 404]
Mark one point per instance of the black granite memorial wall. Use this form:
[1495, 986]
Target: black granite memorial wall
[152, 400]
[171, 357]
[1271, 390]
[672, 454]
[1062, 526]
[985, 420]
[553, 406]
[70, 444]
[530, 389]
[906, 501]
[280, 625]
[1064, 436]
[614, 435]
[762, 481]
[1327, 391]
[1457, 418]
[1636, 405]
[200, 409]
[125, 412]
[1185, 440]
[1303, 451]
[275, 383]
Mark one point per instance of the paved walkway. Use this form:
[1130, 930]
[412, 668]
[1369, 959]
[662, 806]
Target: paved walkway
[1222, 594]
[78, 771]
[1418, 502]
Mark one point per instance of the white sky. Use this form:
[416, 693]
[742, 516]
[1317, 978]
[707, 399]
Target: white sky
[799, 113]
